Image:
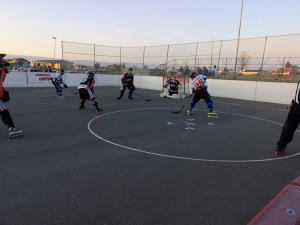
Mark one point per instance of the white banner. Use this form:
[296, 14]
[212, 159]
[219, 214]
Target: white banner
[40, 79]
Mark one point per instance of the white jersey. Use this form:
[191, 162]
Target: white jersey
[199, 82]
[57, 77]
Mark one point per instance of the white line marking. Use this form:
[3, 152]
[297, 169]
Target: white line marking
[188, 158]
[190, 128]
[193, 124]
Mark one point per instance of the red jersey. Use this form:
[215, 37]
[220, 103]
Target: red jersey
[2, 78]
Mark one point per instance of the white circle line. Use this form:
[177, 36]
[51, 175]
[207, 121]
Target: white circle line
[186, 158]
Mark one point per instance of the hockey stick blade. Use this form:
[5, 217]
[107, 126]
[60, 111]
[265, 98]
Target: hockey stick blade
[147, 99]
[74, 93]
[178, 111]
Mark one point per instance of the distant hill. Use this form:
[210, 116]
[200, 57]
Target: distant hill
[79, 62]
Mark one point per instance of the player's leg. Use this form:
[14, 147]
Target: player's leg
[8, 122]
[96, 106]
[122, 91]
[58, 88]
[210, 105]
[131, 89]
[287, 134]
[6, 118]
[195, 100]
[83, 95]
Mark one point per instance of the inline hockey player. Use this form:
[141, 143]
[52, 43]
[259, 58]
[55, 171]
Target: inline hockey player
[127, 82]
[58, 83]
[4, 97]
[86, 92]
[199, 88]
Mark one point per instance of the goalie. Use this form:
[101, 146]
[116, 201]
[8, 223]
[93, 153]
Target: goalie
[174, 85]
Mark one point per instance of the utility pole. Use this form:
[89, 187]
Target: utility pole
[54, 52]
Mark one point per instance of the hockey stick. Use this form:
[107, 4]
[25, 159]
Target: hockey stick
[74, 93]
[146, 99]
[178, 111]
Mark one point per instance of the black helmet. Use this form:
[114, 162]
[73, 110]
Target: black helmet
[91, 74]
[5, 63]
[130, 68]
[193, 75]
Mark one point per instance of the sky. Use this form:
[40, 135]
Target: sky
[28, 26]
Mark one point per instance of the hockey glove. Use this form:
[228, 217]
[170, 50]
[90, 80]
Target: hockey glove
[165, 86]
[65, 86]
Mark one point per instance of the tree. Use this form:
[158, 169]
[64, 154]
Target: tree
[244, 59]
[97, 66]
[288, 65]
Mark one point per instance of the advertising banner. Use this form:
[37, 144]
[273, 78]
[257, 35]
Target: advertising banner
[40, 79]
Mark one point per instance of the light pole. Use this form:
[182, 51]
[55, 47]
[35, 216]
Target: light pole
[238, 41]
[54, 51]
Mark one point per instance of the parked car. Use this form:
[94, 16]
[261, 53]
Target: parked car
[252, 72]
[33, 69]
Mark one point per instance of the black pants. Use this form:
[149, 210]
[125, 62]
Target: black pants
[291, 124]
[6, 118]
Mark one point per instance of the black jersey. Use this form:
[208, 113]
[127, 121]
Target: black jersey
[297, 95]
[127, 79]
[174, 84]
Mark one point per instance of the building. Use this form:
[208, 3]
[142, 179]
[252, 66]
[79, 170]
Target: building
[55, 64]
[19, 64]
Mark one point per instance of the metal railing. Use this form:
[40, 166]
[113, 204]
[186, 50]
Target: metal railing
[266, 54]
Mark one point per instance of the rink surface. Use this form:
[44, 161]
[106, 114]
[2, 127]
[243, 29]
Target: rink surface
[139, 164]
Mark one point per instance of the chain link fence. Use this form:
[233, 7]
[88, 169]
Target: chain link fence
[272, 58]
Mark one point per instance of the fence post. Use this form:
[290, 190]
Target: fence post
[263, 57]
[219, 55]
[94, 57]
[143, 60]
[121, 60]
[166, 64]
[212, 53]
[196, 55]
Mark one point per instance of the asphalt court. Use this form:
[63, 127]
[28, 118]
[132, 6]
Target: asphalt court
[181, 136]
[138, 163]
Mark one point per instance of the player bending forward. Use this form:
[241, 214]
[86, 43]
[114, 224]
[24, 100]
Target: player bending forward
[86, 92]
[58, 83]
[199, 88]
[4, 97]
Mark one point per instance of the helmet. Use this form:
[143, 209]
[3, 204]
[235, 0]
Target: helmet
[91, 74]
[193, 75]
[5, 63]
[130, 68]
